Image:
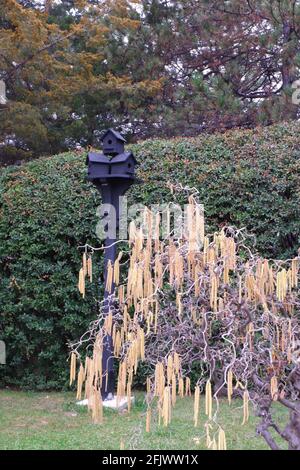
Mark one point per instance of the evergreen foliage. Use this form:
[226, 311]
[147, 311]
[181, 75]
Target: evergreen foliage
[47, 208]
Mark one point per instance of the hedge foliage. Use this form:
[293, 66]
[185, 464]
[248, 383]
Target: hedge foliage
[47, 208]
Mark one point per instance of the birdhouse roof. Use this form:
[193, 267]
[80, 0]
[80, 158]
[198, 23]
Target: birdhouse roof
[116, 134]
[123, 157]
[94, 157]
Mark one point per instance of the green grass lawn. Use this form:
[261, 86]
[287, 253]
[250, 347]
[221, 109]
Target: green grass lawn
[30, 420]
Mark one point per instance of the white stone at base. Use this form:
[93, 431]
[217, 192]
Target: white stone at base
[111, 404]
[82, 402]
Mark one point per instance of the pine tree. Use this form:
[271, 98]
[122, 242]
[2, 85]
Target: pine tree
[230, 63]
[62, 84]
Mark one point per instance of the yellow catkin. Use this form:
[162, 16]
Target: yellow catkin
[295, 272]
[125, 319]
[245, 407]
[281, 285]
[90, 268]
[221, 304]
[181, 387]
[132, 232]
[250, 335]
[72, 368]
[211, 256]
[89, 380]
[97, 407]
[200, 225]
[158, 272]
[86, 365]
[159, 380]
[214, 292]
[121, 294]
[191, 227]
[208, 399]
[169, 369]
[114, 333]
[166, 408]
[176, 363]
[117, 344]
[179, 268]
[81, 283]
[142, 343]
[97, 361]
[117, 269]
[121, 384]
[274, 388]
[89, 377]
[226, 272]
[139, 241]
[194, 314]
[171, 254]
[197, 280]
[109, 277]
[229, 385]
[222, 440]
[80, 380]
[289, 277]
[89, 393]
[84, 264]
[196, 405]
[249, 286]
[148, 420]
[187, 387]
[179, 303]
[174, 389]
[148, 385]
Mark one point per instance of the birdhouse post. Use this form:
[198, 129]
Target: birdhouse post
[112, 172]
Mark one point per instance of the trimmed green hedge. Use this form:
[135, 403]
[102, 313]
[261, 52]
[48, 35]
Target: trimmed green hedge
[245, 178]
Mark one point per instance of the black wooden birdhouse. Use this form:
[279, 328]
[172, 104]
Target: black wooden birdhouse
[112, 142]
[98, 166]
[123, 166]
[120, 167]
[103, 169]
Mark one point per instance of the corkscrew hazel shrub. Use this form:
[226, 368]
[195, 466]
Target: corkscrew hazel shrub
[239, 317]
